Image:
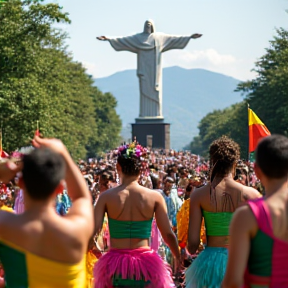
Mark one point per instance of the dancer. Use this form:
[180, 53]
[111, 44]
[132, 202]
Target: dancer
[259, 231]
[39, 248]
[216, 202]
[130, 262]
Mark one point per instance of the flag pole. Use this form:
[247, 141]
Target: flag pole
[248, 154]
[1, 147]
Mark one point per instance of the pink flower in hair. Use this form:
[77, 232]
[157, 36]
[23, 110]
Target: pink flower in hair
[138, 153]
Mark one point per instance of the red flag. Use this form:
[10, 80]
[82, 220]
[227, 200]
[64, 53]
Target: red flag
[257, 130]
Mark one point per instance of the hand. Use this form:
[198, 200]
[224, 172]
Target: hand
[8, 171]
[102, 38]
[53, 144]
[195, 36]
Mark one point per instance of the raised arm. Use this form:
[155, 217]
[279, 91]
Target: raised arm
[8, 171]
[81, 210]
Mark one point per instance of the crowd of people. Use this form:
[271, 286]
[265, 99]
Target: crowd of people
[145, 218]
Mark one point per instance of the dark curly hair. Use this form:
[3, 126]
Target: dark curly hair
[224, 152]
[130, 166]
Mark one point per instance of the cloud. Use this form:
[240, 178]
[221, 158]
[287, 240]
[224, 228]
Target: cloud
[209, 56]
[90, 68]
[212, 60]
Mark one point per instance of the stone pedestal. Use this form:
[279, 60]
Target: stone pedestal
[152, 132]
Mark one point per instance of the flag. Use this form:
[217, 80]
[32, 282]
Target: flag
[37, 133]
[257, 131]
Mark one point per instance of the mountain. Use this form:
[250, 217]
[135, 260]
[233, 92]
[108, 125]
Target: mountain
[188, 95]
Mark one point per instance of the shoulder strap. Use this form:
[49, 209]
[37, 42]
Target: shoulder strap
[262, 215]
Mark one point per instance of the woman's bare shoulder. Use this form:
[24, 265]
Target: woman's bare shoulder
[250, 193]
[151, 192]
[200, 192]
[245, 216]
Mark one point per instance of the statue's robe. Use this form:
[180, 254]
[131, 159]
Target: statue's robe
[149, 49]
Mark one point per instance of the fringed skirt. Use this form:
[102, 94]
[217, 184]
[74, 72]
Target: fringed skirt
[208, 270]
[140, 267]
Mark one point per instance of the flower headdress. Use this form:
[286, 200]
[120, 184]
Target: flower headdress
[132, 150]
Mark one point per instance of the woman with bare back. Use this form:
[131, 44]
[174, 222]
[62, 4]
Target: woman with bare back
[130, 262]
[215, 202]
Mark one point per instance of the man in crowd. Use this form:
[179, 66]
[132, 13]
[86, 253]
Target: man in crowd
[39, 231]
[173, 203]
[172, 200]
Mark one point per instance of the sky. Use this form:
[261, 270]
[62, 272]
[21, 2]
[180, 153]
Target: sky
[235, 32]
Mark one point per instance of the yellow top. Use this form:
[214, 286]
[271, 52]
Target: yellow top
[8, 209]
[24, 269]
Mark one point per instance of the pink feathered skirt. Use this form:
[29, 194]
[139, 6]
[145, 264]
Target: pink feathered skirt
[135, 264]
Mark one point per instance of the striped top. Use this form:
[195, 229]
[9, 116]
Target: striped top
[26, 270]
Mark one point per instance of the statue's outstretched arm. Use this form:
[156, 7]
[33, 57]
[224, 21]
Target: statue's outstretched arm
[195, 36]
[102, 38]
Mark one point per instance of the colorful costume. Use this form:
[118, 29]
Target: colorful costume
[19, 202]
[26, 270]
[140, 267]
[267, 263]
[209, 268]
[173, 203]
[91, 260]
[155, 236]
[66, 200]
[183, 225]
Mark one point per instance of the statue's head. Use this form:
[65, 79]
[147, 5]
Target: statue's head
[149, 26]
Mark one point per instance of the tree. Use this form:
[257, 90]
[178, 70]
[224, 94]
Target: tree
[267, 95]
[231, 122]
[40, 81]
[108, 123]
[25, 34]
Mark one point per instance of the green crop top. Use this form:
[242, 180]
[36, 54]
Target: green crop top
[130, 229]
[217, 223]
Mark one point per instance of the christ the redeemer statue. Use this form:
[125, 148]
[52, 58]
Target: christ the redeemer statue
[149, 46]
